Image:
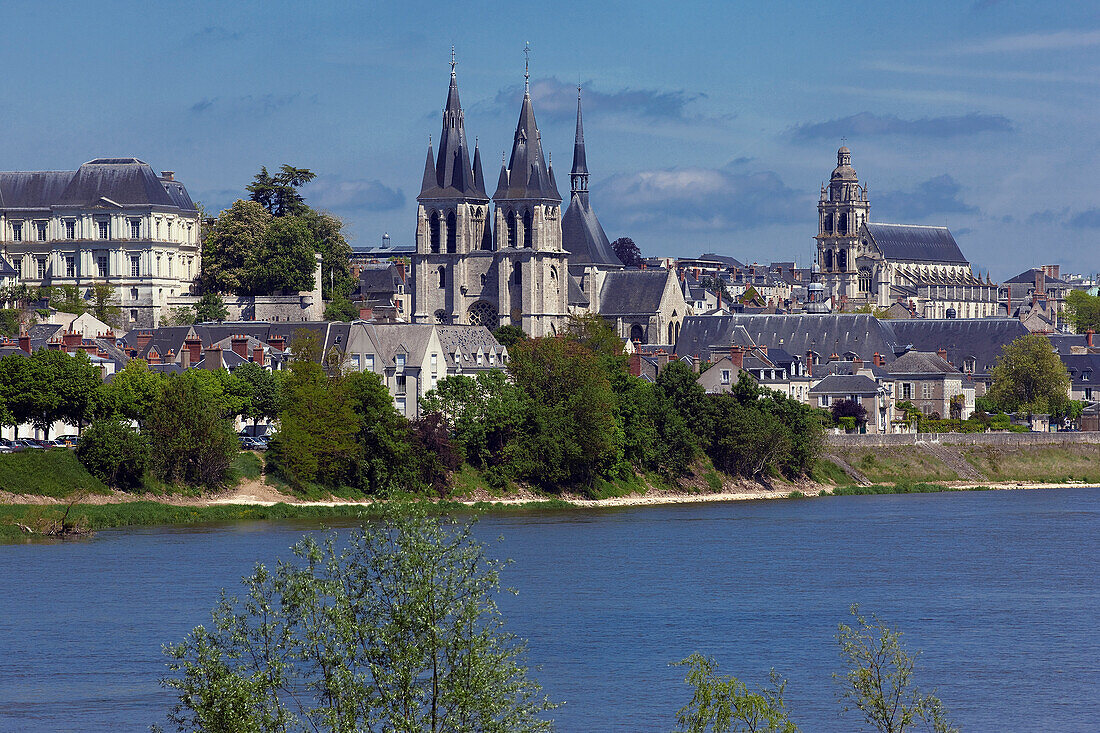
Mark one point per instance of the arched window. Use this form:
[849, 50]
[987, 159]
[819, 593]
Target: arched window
[483, 314]
[452, 232]
[828, 259]
[637, 333]
[433, 230]
[842, 224]
[517, 274]
[440, 316]
[442, 276]
[527, 238]
[864, 280]
[828, 223]
[511, 229]
[842, 260]
[671, 333]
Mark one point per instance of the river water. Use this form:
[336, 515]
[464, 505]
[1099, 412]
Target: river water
[1000, 589]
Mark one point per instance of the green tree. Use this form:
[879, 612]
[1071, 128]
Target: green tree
[131, 393]
[67, 299]
[400, 631]
[263, 391]
[879, 681]
[56, 387]
[336, 280]
[210, 307]
[484, 412]
[11, 322]
[724, 704]
[1029, 377]
[284, 259]
[19, 387]
[507, 335]
[194, 441]
[387, 457]
[237, 232]
[627, 252]
[114, 453]
[1083, 310]
[105, 304]
[279, 193]
[341, 309]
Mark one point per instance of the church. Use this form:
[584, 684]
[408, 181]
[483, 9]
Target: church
[517, 259]
[920, 268]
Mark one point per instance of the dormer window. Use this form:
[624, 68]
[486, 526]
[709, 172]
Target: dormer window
[399, 362]
[1085, 375]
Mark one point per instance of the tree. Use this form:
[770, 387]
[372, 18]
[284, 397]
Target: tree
[879, 681]
[67, 299]
[105, 304]
[263, 391]
[1029, 377]
[18, 387]
[507, 335]
[724, 704]
[131, 393]
[194, 441]
[849, 409]
[284, 259]
[210, 307]
[237, 232]
[400, 631]
[336, 280]
[627, 252]
[114, 453]
[279, 193]
[1083, 310]
[341, 309]
[11, 322]
[387, 454]
[437, 457]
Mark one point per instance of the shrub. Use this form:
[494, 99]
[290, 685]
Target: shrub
[194, 442]
[115, 453]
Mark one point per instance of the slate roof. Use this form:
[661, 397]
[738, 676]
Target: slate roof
[980, 339]
[526, 175]
[583, 237]
[453, 174]
[845, 384]
[1027, 277]
[921, 362]
[125, 181]
[723, 259]
[916, 243]
[379, 278]
[700, 334]
[633, 291]
[1079, 364]
[576, 294]
[1064, 342]
[467, 340]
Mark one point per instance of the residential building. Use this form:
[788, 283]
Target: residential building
[932, 384]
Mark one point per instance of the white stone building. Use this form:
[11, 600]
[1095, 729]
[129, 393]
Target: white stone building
[111, 221]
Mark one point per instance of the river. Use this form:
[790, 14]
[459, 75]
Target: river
[999, 588]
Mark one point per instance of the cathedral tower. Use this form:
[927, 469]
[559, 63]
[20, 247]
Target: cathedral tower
[452, 219]
[842, 209]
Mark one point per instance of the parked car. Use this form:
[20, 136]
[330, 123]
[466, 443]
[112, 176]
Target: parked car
[253, 444]
[29, 443]
[48, 443]
[69, 441]
[7, 446]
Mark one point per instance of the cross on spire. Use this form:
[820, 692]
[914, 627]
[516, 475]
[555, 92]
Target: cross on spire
[526, 68]
[453, 62]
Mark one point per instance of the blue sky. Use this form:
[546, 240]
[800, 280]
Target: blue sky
[710, 126]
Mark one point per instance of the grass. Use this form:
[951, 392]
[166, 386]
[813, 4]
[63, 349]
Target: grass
[898, 465]
[247, 465]
[827, 472]
[901, 488]
[1046, 464]
[714, 481]
[55, 472]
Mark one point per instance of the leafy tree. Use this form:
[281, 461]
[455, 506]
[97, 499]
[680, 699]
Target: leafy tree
[485, 414]
[114, 453]
[194, 441]
[1083, 310]
[105, 304]
[400, 631]
[210, 307]
[724, 704]
[278, 193]
[19, 387]
[387, 454]
[879, 681]
[507, 335]
[131, 393]
[746, 441]
[627, 252]
[336, 280]
[341, 309]
[849, 408]
[1029, 377]
[67, 299]
[718, 285]
[263, 391]
[436, 453]
[237, 232]
[183, 315]
[284, 259]
[11, 322]
[60, 388]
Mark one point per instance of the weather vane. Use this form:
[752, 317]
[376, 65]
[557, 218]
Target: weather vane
[526, 67]
[453, 62]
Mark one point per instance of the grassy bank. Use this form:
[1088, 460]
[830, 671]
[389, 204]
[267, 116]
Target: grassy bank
[55, 473]
[897, 464]
[1045, 464]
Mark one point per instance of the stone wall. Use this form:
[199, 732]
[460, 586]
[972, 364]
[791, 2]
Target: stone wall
[995, 439]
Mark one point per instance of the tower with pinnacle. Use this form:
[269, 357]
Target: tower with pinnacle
[842, 209]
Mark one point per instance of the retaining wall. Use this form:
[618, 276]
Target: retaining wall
[997, 439]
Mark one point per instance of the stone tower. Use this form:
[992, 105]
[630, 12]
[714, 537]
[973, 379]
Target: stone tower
[531, 266]
[842, 209]
[452, 222]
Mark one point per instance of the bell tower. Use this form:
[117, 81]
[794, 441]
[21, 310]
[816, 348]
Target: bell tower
[842, 209]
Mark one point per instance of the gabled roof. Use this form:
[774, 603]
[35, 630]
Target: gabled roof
[576, 294]
[822, 333]
[1080, 364]
[721, 259]
[916, 243]
[1027, 277]
[633, 291]
[921, 362]
[845, 384]
[379, 278]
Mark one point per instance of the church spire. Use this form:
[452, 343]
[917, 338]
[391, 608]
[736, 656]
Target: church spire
[479, 177]
[578, 178]
[454, 174]
[429, 171]
[526, 173]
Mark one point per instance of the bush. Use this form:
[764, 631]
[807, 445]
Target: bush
[195, 443]
[115, 453]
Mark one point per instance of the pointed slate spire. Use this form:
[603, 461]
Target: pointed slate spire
[528, 177]
[578, 178]
[502, 182]
[454, 175]
[429, 171]
[479, 177]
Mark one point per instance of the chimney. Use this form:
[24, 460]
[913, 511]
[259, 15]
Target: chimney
[809, 363]
[213, 360]
[1040, 286]
[942, 353]
[834, 356]
[185, 357]
[879, 360]
[695, 364]
[365, 314]
[401, 271]
[54, 344]
[153, 357]
[143, 339]
[662, 360]
[88, 347]
[1008, 304]
[1053, 271]
[1088, 337]
[276, 342]
[193, 346]
[737, 356]
[258, 355]
[240, 345]
[857, 364]
[635, 364]
[168, 175]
